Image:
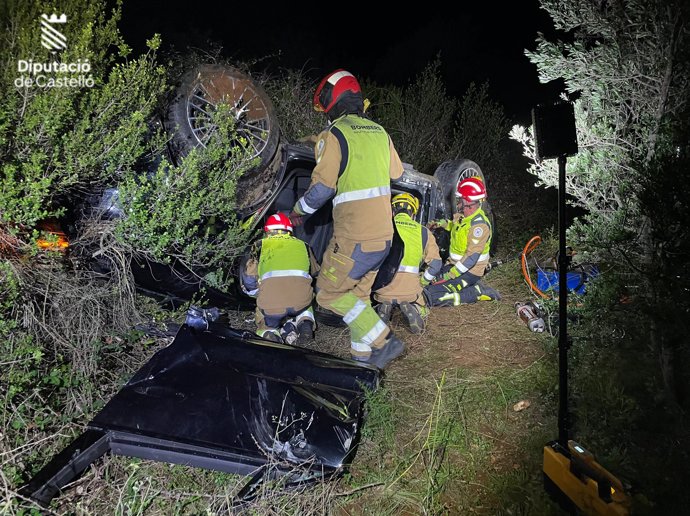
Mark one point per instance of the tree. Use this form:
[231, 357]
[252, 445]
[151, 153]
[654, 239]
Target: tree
[428, 126]
[480, 128]
[627, 67]
[420, 117]
[622, 66]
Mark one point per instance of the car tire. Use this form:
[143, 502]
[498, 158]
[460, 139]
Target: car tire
[189, 125]
[449, 174]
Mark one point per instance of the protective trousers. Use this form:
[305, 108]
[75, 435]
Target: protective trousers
[348, 270]
[273, 322]
[452, 292]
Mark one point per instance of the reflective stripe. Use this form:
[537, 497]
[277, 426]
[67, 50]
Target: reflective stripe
[428, 276]
[286, 273]
[252, 293]
[305, 207]
[307, 314]
[459, 266]
[375, 332]
[338, 75]
[274, 227]
[362, 348]
[483, 257]
[455, 297]
[358, 195]
[455, 257]
[408, 268]
[354, 312]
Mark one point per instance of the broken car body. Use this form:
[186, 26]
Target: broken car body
[227, 400]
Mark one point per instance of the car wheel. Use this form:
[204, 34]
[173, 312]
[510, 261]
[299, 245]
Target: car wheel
[189, 121]
[449, 174]
[201, 90]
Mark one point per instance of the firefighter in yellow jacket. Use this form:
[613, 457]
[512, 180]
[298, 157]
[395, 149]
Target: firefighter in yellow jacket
[355, 163]
[470, 241]
[405, 290]
[280, 280]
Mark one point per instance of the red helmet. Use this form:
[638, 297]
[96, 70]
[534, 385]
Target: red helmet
[333, 87]
[278, 221]
[471, 189]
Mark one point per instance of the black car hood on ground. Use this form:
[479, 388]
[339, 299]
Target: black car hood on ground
[226, 400]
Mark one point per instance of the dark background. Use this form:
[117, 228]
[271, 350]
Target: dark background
[475, 42]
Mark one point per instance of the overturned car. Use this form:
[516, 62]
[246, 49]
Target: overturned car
[280, 178]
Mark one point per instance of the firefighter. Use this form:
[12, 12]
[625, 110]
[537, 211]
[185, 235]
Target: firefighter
[355, 163]
[405, 290]
[281, 282]
[470, 241]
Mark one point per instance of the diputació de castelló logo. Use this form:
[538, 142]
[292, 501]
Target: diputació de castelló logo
[55, 73]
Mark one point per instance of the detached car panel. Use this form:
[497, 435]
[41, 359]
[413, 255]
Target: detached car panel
[226, 400]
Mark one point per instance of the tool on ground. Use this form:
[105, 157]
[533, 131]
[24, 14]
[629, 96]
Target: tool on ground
[547, 275]
[529, 313]
[571, 474]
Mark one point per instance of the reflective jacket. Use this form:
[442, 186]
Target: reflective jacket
[281, 278]
[470, 241]
[355, 162]
[420, 247]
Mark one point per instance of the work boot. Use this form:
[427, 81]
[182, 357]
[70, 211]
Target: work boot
[384, 309]
[305, 332]
[392, 348]
[414, 319]
[289, 332]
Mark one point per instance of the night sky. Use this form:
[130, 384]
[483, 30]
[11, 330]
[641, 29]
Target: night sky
[481, 42]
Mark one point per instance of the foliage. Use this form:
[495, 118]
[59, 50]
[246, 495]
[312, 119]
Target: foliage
[192, 203]
[428, 126]
[45, 132]
[626, 65]
[292, 92]
[622, 65]
[667, 185]
[419, 117]
[480, 129]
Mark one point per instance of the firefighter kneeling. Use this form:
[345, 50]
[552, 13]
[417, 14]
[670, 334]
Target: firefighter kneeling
[281, 282]
[405, 290]
[470, 241]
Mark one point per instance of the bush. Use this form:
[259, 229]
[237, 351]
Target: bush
[56, 143]
[194, 220]
[292, 94]
[419, 117]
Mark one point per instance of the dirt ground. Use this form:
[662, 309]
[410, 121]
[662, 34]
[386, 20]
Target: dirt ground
[480, 337]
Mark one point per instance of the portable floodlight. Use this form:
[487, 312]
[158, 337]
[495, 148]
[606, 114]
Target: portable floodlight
[571, 474]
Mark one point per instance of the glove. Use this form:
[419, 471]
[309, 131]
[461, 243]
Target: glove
[451, 274]
[296, 218]
[437, 224]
